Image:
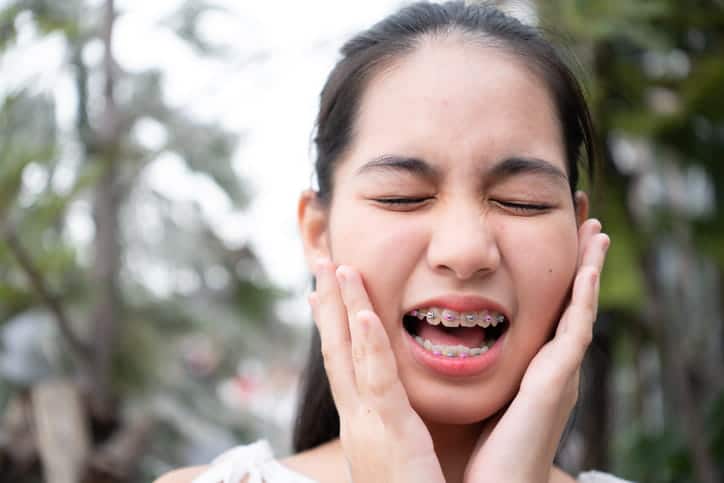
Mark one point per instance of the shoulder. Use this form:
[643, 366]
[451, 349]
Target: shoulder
[324, 463]
[184, 475]
[238, 457]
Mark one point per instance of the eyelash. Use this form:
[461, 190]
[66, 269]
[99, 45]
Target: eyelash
[522, 208]
[403, 204]
[402, 201]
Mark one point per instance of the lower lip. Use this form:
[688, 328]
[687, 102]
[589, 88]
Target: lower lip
[456, 366]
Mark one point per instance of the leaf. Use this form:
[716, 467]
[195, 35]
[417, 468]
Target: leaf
[8, 32]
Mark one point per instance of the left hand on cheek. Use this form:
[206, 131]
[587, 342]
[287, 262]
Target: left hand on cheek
[521, 444]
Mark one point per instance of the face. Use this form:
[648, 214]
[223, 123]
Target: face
[455, 188]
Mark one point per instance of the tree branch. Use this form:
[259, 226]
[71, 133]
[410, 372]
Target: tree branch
[78, 348]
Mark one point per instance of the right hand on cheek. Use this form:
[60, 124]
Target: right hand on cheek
[383, 438]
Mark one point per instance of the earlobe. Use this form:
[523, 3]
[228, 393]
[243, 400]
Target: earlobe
[313, 221]
[581, 205]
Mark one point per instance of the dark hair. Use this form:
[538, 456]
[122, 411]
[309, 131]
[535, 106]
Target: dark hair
[363, 56]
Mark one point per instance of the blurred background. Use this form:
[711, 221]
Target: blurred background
[152, 284]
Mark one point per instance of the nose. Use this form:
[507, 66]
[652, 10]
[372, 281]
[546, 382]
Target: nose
[463, 243]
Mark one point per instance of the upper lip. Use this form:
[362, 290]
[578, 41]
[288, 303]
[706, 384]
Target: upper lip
[462, 303]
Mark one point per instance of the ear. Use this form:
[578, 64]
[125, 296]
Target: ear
[581, 205]
[313, 221]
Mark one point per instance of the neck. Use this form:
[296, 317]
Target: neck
[454, 444]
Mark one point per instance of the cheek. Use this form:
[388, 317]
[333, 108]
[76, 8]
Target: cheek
[384, 251]
[542, 261]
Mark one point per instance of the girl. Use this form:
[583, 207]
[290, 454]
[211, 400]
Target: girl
[456, 266]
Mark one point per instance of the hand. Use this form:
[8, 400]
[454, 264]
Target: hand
[520, 445]
[384, 440]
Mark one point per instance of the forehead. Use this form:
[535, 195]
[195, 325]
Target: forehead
[455, 100]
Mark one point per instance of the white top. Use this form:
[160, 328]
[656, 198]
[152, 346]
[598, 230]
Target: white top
[257, 461]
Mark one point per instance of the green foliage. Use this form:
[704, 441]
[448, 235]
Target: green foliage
[591, 20]
[24, 139]
[663, 456]
[159, 328]
[48, 15]
[14, 300]
[254, 300]
[657, 70]
[715, 429]
[137, 357]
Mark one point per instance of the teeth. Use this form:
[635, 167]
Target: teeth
[453, 350]
[479, 350]
[450, 318]
[469, 320]
[432, 318]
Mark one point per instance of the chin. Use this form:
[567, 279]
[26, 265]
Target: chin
[458, 405]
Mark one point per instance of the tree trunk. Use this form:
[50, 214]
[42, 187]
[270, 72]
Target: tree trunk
[62, 431]
[670, 302]
[107, 310]
[595, 418]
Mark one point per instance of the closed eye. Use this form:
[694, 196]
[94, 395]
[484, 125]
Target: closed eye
[523, 208]
[403, 203]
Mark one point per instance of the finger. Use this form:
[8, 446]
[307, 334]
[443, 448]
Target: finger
[355, 299]
[595, 257]
[354, 295]
[378, 381]
[374, 362]
[593, 250]
[587, 230]
[575, 330]
[330, 317]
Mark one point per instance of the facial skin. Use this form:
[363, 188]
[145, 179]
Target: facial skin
[462, 111]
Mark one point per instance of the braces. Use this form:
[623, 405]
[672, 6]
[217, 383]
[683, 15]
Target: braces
[447, 315]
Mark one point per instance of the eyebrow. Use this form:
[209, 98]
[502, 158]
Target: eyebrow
[395, 163]
[517, 165]
[509, 167]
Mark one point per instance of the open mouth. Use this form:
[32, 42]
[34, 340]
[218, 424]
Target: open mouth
[444, 332]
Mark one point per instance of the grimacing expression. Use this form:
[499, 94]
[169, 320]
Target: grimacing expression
[429, 201]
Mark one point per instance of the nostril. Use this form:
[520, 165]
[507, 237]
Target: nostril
[463, 234]
[464, 273]
[465, 259]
